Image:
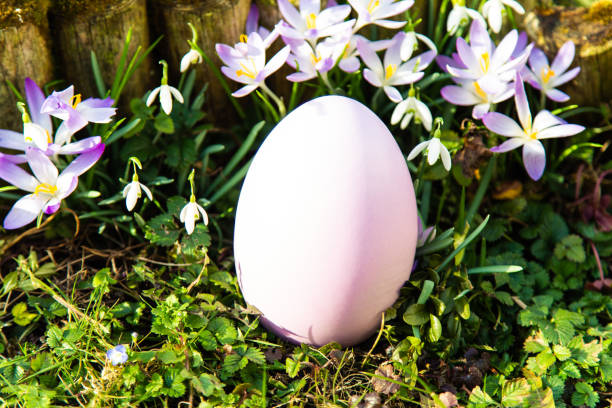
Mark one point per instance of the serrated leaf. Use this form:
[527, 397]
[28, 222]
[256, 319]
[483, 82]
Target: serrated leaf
[292, 367]
[606, 367]
[21, 316]
[561, 352]
[223, 329]
[480, 398]
[207, 340]
[535, 343]
[585, 395]
[569, 369]
[162, 230]
[515, 392]
[504, 297]
[571, 247]
[544, 360]
[255, 355]
[233, 363]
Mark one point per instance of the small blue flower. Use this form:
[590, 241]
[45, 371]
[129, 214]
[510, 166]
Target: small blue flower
[117, 355]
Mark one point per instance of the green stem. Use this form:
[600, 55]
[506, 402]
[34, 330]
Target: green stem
[482, 188]
[279, 102]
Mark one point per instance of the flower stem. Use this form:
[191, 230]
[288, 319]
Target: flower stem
[542, 101]
[279, 102]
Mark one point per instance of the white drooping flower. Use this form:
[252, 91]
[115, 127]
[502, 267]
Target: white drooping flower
[133, 191]
[435, 150]
[191, 213]
[165, 91]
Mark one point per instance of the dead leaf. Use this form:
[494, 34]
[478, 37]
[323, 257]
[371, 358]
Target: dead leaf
[383, 386]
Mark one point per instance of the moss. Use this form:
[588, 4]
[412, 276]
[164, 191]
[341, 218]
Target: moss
[68, 8]
[600, 11]
[17, 12]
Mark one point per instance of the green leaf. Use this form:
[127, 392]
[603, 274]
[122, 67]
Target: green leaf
[207, 340]
[606, 367]
[561, 352]
[233, 363]
[21, 316]
[515, 392]
[536, 343]
[571, 248]
[208, 384]
[480, 398]
[435, 329]
[292, 367]
[416, 315]
[255, 355]
[585, 395]
[223, 330]
[161, 230]
[495, 269]
[504, 297]
[163, 123]
[169, 357]
[569, 369]
[544, 360]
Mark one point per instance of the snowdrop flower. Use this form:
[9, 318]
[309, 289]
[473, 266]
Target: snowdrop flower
[165, 91]
[392, 71]
[460, 15]
[311, 23]
[192, 56]
[490, 66]
[410, 108]
[47, 187]
[246, 63]
[435, 149]
[377, 11]
[67, 106]
[468, 93]
[528, 134]
[133, 191]
[191, 212]
[425, 235]
[492, 10]
[38, 130]
[546, 77]
[411, 42]
[117, 355]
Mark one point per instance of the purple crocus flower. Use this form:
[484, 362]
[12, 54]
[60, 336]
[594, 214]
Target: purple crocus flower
[321, 59]
[252, 26]
[392, 71]
[311, 23]
[529, 132]
[38, 132]
[349, 61]
[76, 115]
[547, 78]
[490, 66]
[468, 93]
[246, 62]
[47, 187]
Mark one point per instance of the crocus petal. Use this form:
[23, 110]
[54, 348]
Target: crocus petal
[252, 19]
[557, 95]
[66, 184]
[390, 24]
[480, 110]
[534, 159]
[393, 93]
[24, 211]
[81, 146]
[369, 57]
[522, 105]
[458, 95]
[467, 55]
[245, 90]
[12, 140]
[35, 98]
[36, 134]
[41, 166]
[564, 57]
[505, 49]
[544, 119]
[277, 61]
[290, 14]
[508, 145]
[568, 76]
[350, 64]
[502, 124]
[560, 131]
[85, 161]
[538, 61]
[372, 78]
[333, 15]
[17, 176]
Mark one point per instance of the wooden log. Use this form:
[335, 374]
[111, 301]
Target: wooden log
[25, 51]
[80, 26]
[217, 21]
[591, 30]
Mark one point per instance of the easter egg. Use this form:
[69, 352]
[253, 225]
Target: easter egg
[326, 224]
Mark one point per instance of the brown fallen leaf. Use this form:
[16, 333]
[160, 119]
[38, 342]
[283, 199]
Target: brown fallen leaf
[383, 386]
[448, 399]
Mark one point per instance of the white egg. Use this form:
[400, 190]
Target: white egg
[326, 224]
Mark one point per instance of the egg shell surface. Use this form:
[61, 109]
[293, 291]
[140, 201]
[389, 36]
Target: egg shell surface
[326, 224]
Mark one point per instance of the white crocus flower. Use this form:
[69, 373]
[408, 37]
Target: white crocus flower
[410, 108]
[165, 91]
[133, 191]
[192, 57]
[435, 149]
[191, 213]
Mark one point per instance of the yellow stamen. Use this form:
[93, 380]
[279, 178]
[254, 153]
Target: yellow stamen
[75, 100]
[250, 73]
[485, 62]
[547, 73]
[479, 91]
[243, 38]
[314, 59]
[48, 137]
[45, 188]
[390, 70]
[311, 21]
[372, 5]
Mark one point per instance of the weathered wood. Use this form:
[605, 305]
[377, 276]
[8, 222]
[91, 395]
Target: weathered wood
[102, 26]
[591, 30]
[24, 52]
[217, 21]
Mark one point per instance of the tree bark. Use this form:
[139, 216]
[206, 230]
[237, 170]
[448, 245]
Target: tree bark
[591, 30]
[25, 51]
[101, 26]
[217, 21]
